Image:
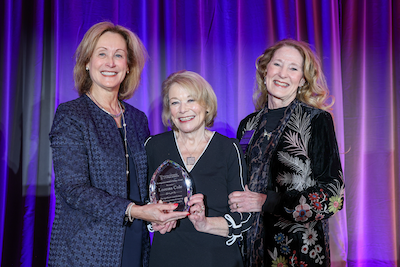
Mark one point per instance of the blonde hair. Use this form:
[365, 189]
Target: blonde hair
[315, 91]
[137, 56]
[198, 87]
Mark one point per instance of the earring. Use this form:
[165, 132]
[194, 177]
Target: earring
[265, 80]
[87, 68]
[127, 72]
[299, 88]
[302, 82]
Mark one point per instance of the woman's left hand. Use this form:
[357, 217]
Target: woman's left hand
[246, 201]
[164, 228]
[197, 212]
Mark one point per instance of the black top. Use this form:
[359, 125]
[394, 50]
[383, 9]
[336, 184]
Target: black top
[273, 117]
[219, 171]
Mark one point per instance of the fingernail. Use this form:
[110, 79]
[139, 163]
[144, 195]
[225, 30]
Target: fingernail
[176, 204]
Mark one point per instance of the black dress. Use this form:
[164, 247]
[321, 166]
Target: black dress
[219, 171]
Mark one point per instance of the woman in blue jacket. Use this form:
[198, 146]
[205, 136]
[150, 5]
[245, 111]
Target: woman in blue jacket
[99, 159]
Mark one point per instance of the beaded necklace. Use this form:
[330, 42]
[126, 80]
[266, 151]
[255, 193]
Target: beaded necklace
[123, 125]
[125, 144]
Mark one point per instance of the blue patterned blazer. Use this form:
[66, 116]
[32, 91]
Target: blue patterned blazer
[90, 183]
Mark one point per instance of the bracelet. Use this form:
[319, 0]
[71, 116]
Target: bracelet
[128, 212]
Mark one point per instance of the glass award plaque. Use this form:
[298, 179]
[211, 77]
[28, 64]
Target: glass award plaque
[171, 184]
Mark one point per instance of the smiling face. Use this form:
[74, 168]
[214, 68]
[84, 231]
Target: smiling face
[108, 63]
[284, 76]
[187, 114]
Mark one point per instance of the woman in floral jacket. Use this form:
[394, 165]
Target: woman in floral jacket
[293, 160]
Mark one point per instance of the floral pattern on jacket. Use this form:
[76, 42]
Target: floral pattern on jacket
[304, 185]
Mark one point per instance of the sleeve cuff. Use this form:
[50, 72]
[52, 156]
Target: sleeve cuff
[150, 228]
[235, 230]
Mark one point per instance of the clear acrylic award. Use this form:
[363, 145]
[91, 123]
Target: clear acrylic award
[171, 184]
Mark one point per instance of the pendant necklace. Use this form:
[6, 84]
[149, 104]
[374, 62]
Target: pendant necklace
[191, 160]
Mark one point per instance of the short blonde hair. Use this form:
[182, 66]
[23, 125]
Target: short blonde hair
[137, 56]
[198, 87]
[315, 91]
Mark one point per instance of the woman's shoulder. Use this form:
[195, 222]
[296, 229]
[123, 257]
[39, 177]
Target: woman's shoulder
[73, 106]
[250, 122]
[132, 110]
[225, 141]
[161, 139]
[69, 118]
[222, 138]
[249, 117]
[136, 117]
[74, 110]
[315, 112]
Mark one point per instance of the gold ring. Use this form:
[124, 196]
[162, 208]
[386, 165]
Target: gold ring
[237, 205]
[202, 208]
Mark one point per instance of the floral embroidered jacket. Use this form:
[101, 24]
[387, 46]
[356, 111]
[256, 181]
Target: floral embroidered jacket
[298, 168]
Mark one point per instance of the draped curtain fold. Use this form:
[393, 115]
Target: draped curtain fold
[358, 43]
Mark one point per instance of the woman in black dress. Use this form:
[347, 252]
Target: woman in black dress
[208, 237]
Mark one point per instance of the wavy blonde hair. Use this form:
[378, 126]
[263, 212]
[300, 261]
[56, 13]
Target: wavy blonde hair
[198, 87]
[137, 56]
[314, 92]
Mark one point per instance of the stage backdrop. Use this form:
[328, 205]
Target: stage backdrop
[358, 42]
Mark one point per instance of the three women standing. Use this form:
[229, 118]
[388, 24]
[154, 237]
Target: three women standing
[100, 164]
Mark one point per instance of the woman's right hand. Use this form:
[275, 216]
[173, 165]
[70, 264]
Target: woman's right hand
[159, 213]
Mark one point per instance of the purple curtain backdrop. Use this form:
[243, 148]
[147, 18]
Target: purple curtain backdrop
[359, 46]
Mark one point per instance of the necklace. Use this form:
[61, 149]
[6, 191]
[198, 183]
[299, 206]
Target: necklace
[103, 109]
[191, 160]
[125, 143]
[267, 134]
[123, 125]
